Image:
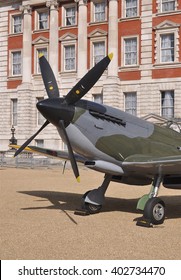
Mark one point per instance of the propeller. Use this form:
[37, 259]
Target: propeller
[71, 154]
[48, 77]
[73, 96]
[30, 139]
[52, 92]
[87, 82]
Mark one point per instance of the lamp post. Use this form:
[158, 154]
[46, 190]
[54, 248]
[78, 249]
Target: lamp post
[13, 140]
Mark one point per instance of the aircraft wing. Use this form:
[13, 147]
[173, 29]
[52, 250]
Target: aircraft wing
[149, 165]
[50, 152]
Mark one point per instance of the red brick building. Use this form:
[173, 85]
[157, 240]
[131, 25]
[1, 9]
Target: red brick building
[142, 79]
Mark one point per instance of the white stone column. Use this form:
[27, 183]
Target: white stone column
[113, 37]
[27, 43]
[53, 42]
[111, 90]
[82, 38]
[146, 40]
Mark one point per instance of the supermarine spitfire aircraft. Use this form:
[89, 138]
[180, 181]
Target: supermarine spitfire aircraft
[126, 148]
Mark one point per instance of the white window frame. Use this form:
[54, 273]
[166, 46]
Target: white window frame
[63, 46]
[124, 10]
[162, 49]
[37, 19]
[14, 111]
[39, 117]
[161, 32]
[123, 58]
[39, 143]
[11, 64]
[38, 49]
[94, 40]
[64, 18]
[93, 4]
[98, 98]
[167, 11]
[168, 106]
[12, 25]
[102, 55]
[130, 109]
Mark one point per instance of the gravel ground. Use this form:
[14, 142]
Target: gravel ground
[37, 219]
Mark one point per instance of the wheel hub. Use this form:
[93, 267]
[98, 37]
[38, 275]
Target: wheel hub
[158, 211]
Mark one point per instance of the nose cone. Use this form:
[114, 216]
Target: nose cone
[54, 111]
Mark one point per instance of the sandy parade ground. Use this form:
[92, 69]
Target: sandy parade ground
[37, 219]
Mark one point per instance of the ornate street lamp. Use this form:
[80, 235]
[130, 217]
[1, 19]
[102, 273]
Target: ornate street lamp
[13, 140]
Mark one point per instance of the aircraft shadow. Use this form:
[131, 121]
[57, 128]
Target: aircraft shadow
[70, 201]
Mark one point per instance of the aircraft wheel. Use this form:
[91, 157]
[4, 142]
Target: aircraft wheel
[155, 210]
[91, 208]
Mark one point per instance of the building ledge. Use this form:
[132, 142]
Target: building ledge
[129, 68]
[166, 65]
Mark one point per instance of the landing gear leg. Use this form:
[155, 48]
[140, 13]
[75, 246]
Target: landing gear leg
[93, 200]
[154, 207]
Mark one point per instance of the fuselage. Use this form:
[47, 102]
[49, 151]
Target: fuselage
[99, 132]
[118, 135]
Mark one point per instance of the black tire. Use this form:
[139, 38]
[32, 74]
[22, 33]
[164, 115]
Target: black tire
[155, 211]
[91, 208]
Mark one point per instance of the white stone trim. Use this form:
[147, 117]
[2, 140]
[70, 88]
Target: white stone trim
[92, 11]
[96, 40]
[10, 75]
[124, 10]
[36, 23]
[64, 7]
[36, 48]
[166, 27]
[123, 38]
[63, 45]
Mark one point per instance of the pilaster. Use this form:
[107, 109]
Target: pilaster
[113, 38]
[111, 89]
[53, 45]
[146, 39]
[82, 38]
[27, 43]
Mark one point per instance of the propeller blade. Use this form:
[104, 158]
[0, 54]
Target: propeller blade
[48, 77]
[87, 82]
[71, 154]
[30, 139]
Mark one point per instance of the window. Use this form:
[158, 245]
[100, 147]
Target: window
[16, 63]
[14, 111]
[98, 98]
[99, 11]
[130, 51]
[167, 42]
[131, 103]
[70, 16]
[98, 51]
[16, 24]
[167, 104]
[40, 118]
[42, 20]
[69, 57]
[65, 148]
[39, 143]
[131, 8]
[167, 47]
[40, 51]
[168, 6]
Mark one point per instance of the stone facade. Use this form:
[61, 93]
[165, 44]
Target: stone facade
[148, 77]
